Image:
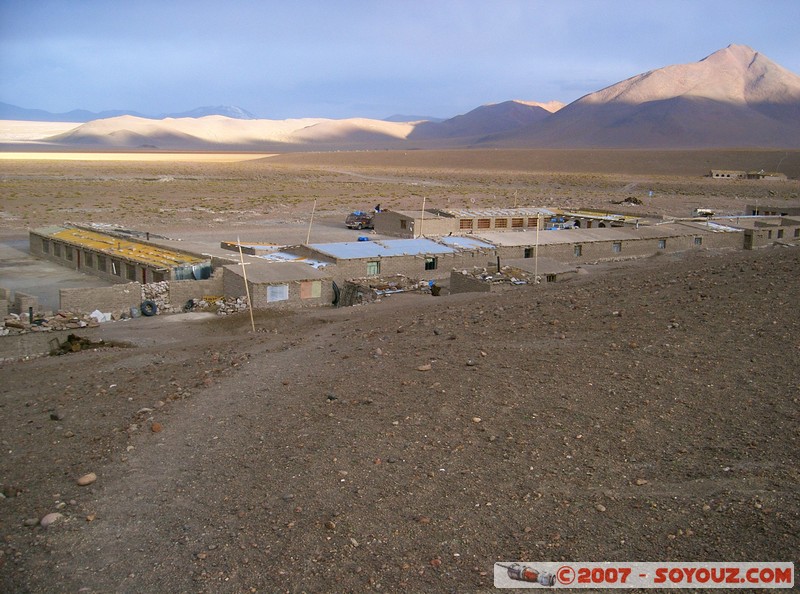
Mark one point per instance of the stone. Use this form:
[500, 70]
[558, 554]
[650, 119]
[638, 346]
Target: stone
[641, 481]
[426, 367]
[87, 479]
[600, 507]
[50, 519]
[156, 427]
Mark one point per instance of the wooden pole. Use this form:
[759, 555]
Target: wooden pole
[422, 219]
[246, 287]
[313, 208]
[536, 250]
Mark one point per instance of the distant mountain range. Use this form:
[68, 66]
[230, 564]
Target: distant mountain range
[736, 97]
[13, 112]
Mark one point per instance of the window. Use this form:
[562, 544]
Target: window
[373, 268]
[698, 241]
[780, 233]
[311, 290]
[533, 222]
[662, 243]
[484, 223]
[277, 293]
[57, 250]
[797, 232]
[403, 224]
[577, 251]
[88, 259]
[158, 277]
[516, 223]
[465, 224]
[46, 246]
[430, 263]
[529, 252]
[616, 247]
[68, 253]
[130, 272]
[101, 263]
[116, 267]
[501, 223]
[769, 234]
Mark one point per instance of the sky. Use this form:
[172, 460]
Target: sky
[284, 59]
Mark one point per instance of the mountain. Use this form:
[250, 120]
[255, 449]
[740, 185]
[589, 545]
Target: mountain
[412, 118]
[736, 97]
[13, 112]
[486, 119]
[229, 111]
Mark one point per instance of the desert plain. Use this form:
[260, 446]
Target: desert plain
[646, 411]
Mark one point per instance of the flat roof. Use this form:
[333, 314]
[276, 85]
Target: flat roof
[276, 272]
[500, 212]
[354, 250]
[145, 253]
[465, 242]
[546, 237]
[290, 257]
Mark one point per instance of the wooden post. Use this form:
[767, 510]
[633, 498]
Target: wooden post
[422, 220]
[246, 287]
[313, 208]
[536, 250]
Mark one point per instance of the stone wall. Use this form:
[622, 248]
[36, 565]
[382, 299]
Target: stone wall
[117, 298]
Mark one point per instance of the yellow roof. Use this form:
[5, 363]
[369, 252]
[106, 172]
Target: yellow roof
[149, 254]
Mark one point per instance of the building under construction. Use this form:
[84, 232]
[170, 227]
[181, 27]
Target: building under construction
[114, 258]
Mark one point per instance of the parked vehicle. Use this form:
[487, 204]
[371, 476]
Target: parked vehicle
[359, 220]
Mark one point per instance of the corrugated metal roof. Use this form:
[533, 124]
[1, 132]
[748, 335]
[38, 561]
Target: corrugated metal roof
[501, 212]
[149, 254]
[528, 238]
[290, 257]
[465, 243]
[353, 250]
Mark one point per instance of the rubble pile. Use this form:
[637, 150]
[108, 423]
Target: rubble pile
[49, 322]
[506, 275]
[158, 293]
[223, 306]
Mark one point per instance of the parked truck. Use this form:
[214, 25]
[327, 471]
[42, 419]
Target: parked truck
[359, 220]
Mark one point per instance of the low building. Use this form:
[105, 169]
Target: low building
[727, 174]
[114, 258]
[765, 210]
[766, 175]
[435, 222]
[415, 258]
[583, 246]
[279, 285]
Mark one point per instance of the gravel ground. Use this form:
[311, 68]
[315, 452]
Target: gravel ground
[649, 413]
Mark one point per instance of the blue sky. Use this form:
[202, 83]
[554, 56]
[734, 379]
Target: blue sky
[328, 58]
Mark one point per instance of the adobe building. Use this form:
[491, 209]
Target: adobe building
[279, 285]
[116, 259]
[436, 222]
[583, 246]
[415, 258]
[727, 174]
[765, 210]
